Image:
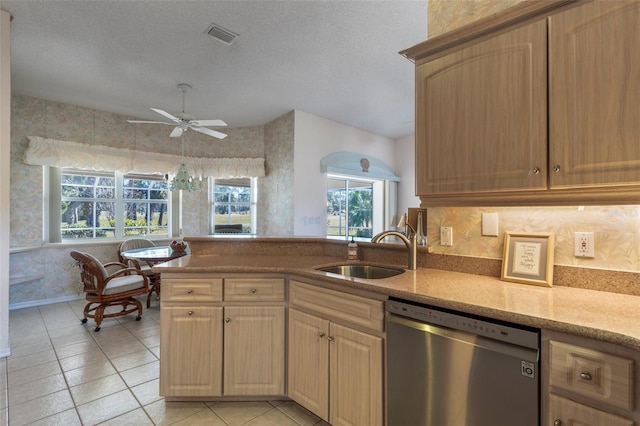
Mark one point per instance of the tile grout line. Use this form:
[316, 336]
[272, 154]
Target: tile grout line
[55, 351]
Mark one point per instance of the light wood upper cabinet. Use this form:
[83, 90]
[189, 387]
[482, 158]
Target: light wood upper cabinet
[595, 94]
[493, 129]
[254, 350]
[482, 116]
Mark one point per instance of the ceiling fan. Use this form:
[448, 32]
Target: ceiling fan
[183, 121]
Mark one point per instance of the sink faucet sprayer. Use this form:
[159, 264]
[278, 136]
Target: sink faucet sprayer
[411, 243]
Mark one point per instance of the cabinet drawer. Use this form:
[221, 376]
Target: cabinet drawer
[256, 289]
[593, 374]
[338, 305]
[192, 290]
[572, 413]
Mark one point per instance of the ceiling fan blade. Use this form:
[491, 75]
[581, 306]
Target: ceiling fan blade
[209, 132]
[149, 122]
[206, 123]
[176, 132]
[166, 114]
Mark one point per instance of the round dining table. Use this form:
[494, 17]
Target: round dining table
[151, 256]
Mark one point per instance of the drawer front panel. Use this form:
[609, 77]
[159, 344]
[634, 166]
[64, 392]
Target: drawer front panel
[254, 289]
[338, 305]
[192, 290]
[596, 375]
[572, 413]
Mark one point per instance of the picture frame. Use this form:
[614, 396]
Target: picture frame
[528, 258]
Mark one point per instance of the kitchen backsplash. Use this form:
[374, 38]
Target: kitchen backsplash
[616, 231]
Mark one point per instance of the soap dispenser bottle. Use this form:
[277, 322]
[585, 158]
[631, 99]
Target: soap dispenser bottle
[352, 250]
[422, 238]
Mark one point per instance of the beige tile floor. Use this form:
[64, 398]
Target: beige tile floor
[61, 372]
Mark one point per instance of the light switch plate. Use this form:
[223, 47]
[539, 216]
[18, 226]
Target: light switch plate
[446, 236]
[490, 224]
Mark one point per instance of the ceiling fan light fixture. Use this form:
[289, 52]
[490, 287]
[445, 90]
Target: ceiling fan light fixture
[221, 34]
[183, 181]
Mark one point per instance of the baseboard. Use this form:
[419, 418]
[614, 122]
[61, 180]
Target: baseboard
[42, 302]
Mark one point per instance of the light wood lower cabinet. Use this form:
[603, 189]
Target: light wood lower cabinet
[336, 370]
[254, 350]
[309, 362]
[589, 383]
[190, 351]
[570, 413]
[355, 377]
[222, 336]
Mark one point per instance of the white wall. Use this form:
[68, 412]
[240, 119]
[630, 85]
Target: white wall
[5, 187]
[405, 167]
[315, 138]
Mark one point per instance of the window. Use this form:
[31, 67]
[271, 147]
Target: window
[234, 206]
[349, 207]
[112, 205]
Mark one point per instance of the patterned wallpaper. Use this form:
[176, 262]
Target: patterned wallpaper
[279, 156]
[616, 232]
[47, 272]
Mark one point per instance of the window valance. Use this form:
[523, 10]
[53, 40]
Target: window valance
[51, 152]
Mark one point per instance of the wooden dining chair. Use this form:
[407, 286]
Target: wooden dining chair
[154, 278]
[103, 289]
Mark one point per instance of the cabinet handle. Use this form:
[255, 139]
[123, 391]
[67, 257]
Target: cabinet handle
[190, 313]
[321, 335]
[557, 422]
[253, 290]
[330, 338]
[227, 320]
[556, 168]
[585, 375]
[190, 291]
[536, 170]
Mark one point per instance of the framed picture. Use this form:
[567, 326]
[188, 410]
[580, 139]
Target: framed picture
[528, 258]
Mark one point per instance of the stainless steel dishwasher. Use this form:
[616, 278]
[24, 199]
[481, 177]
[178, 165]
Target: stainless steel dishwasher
[448, 369]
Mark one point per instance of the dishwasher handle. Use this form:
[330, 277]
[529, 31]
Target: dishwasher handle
[512, 350]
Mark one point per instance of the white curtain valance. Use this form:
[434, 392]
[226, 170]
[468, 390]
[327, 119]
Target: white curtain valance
[51, 152]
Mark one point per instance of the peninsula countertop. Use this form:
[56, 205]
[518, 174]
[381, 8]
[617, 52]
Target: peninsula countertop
[598, 315]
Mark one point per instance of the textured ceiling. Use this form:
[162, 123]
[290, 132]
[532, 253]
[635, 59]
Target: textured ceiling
[334, 59]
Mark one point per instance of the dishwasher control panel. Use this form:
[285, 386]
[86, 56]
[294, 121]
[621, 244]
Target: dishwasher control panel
[461, 322]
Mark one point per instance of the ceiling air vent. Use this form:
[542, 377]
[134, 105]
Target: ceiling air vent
[219, 33]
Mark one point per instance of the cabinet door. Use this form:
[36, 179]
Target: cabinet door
[594, 80]
[308, 377]
[481, 116]
[191, 351]
[573, 414]
[355, 378]
[254, 350]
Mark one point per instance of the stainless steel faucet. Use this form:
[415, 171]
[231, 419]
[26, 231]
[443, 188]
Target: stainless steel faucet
[411, 243]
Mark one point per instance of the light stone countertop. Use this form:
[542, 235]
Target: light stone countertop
[598, 315]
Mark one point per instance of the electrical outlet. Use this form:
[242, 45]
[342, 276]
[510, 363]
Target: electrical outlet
[446, 236]
[584, 244]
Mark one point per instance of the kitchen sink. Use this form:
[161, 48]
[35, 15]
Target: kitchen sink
[371, 272]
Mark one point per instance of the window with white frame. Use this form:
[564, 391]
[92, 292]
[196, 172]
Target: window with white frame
[350, 207]
[233, 206]
[112, 205]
